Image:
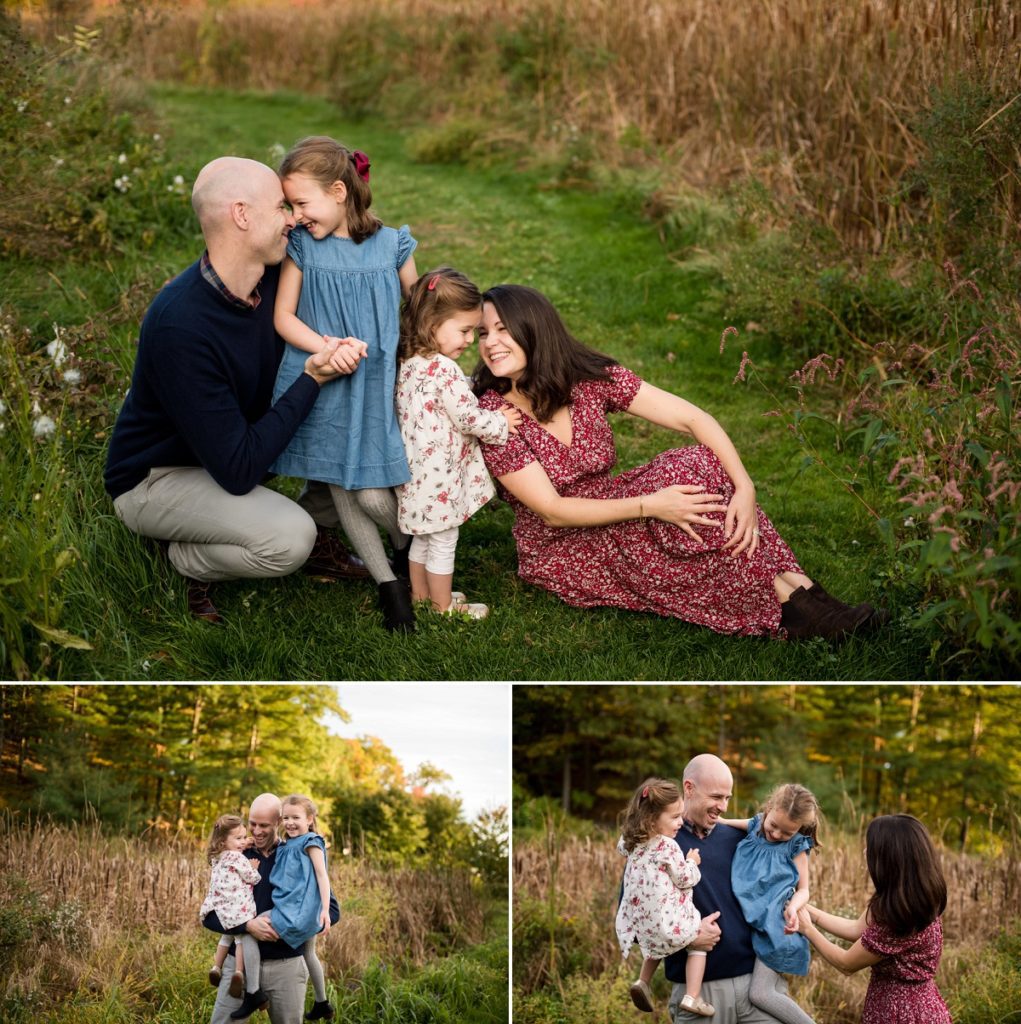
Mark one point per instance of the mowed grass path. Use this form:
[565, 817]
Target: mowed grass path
[609, 275]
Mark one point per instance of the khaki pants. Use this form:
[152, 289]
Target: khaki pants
[284, 983]
[729, 997]
[215, 535]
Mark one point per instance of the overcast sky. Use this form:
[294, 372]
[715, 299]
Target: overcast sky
[463, 728]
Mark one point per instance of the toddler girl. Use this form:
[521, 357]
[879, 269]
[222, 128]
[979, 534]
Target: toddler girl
[769, 875]
[301, 905]
[343, 276]
[656, 909]
[440, 419]
[230, 891]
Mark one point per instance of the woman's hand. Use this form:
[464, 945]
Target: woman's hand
[741, 525]
[804, 921]
[685, 505]
[324, 920]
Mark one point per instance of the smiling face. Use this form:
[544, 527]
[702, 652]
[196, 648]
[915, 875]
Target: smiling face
[295, 820]
[237, 839]
[320, 211]
[456, 333]
[706, 796]
[263, 819]
[670, 819]
[271, 219]
[778, 827]
[503, 356]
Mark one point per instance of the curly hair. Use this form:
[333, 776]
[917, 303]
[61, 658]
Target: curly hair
[222, 828]
[434, 298]
[326, 161]
[647, 803]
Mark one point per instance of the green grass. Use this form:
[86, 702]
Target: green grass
[609, 275]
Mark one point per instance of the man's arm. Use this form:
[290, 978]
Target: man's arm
[708, 934]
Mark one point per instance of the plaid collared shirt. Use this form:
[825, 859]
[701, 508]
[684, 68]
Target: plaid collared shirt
[699, 830]
[210, 274]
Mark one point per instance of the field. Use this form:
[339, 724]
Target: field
[567, 964]
[100, 928]
[783, 176]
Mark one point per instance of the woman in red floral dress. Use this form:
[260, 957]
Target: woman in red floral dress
[899, 936]
[681, 536]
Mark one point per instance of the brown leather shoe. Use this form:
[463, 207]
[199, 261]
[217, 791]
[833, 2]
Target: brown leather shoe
[864, 615]
[803, 616]
[199, 603]
[331, 559]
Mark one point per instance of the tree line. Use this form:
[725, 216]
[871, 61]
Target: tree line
[168, 760]
[950, 755]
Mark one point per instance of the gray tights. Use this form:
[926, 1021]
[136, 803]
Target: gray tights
[361, 513]
[764, 995]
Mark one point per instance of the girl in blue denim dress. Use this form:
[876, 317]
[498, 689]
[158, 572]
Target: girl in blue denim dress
[769, 875]
[342, 278]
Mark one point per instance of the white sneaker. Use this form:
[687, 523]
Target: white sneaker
[693, 1004]
[475, 611]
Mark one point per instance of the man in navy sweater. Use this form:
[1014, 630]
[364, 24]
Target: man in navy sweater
[725, 935]
[197, 433]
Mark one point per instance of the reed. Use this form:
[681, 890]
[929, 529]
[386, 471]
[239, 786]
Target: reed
[818, 101]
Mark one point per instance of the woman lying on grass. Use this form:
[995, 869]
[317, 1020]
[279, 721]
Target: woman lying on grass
[681, 536]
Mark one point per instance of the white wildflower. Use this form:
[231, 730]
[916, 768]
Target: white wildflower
[910, 521]
[122, 184]
[67, 101]
[156, 136]
[123, 158]
[58, 161]
[72, 376]
[43, 426]
[146, 665]
[56, 349]
[22, 105]
[178, 179]
[277, 152]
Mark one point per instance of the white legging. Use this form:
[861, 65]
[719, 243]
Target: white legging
[435, 551]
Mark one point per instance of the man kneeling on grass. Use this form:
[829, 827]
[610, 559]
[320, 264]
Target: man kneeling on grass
[197, 433]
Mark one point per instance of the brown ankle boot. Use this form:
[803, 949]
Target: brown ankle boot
[803, 616]
[871, 618]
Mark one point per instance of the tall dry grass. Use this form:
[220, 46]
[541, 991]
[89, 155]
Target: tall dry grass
[97, 906]
[815, 98]
[575, 882]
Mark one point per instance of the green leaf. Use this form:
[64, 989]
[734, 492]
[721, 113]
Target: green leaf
[62, 637]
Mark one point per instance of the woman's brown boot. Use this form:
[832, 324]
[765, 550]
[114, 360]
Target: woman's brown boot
[804, 615]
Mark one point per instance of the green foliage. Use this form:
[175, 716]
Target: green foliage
[80, 176]
[452, 141]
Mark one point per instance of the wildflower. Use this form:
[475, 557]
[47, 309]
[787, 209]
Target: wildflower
[56, 349]
[58, 161]
[43, 426]
[156, 136]
[21, 105]
[72, 376]
[745, 360]
[727, 332]
[123, 158]
[178, 179]
[910, 521]
[122, 184]
[67, 101]
[277, 152]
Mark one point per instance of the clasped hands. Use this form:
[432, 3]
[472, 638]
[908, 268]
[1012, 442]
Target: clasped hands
[687, 505]
[338, 356]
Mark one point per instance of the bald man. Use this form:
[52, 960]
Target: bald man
[283, 976]
[707, 787]
[197, 433]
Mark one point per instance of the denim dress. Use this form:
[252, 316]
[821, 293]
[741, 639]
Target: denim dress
[296, 902]
[351, 437]
[764, 877]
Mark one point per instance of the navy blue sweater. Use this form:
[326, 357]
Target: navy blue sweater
[263, 893]
[201, 389]
[732, 956]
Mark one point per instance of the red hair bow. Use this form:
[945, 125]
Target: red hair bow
[362, 165]
[645, 792]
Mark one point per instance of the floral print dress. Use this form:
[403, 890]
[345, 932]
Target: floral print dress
[901, 989]
[644, 566]
[656, 908]
[230, 889]
[440, 420]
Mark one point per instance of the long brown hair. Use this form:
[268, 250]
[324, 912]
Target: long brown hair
[326, 160]
[799, 804]
[647, 803]
[434, 298]
[556, 360]
[911, 891]
[222, 827]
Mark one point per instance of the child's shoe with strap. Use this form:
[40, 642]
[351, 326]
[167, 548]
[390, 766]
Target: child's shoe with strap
[694, 1004]
[641, 996]
[237, 984]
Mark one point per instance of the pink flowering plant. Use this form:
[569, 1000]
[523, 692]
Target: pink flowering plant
[924, 435]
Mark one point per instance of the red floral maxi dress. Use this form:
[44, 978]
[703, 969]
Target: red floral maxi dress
[901, 989]
[648, 566]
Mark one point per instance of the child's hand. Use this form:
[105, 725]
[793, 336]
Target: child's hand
[694, 856]
[513, 416]
[254, 861]
[348, 353]
[324, 920]
[790, 919]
